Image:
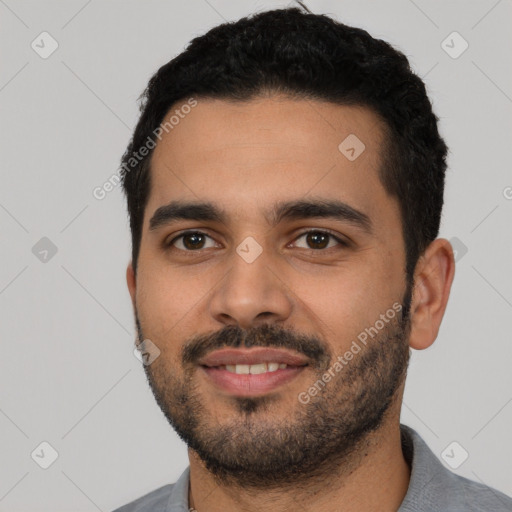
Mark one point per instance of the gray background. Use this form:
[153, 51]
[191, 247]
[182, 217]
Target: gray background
[68, 374]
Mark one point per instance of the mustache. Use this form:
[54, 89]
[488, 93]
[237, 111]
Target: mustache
[265, 335]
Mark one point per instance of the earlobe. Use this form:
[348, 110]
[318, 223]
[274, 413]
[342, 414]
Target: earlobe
[432, 283]
[131, 282]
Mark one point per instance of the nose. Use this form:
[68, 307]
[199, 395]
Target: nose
[251, 293]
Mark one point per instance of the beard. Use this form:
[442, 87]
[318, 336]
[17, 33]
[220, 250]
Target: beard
[257, 446]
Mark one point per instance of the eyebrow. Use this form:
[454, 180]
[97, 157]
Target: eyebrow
[287, 210]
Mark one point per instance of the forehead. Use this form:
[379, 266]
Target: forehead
[251, 154]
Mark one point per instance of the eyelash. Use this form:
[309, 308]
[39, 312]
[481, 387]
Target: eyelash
[342, 243]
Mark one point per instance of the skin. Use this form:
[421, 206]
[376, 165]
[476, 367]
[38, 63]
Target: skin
[244, 157]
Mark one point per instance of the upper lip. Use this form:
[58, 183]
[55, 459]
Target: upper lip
[250, 356]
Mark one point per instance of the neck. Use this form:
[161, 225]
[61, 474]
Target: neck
[375, 478]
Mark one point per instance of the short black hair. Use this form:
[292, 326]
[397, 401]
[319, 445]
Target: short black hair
[306, 56]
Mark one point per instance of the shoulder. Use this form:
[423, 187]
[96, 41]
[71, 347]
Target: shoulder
[435, 488]
[154, 501]
[477, 497]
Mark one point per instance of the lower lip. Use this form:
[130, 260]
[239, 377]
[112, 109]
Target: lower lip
[251, 385]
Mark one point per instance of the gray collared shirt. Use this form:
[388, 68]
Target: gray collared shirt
[432, 487]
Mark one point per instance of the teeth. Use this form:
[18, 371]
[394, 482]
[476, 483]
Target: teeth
[242, 368]
[257, 368]
[254, 369]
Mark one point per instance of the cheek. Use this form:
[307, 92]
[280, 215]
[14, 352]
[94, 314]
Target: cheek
[164, 305]
[338, 302]
[345, 302]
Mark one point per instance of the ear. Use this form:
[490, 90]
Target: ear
[131, 282]
[433, 279]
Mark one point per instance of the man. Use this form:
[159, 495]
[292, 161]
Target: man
[285, 186]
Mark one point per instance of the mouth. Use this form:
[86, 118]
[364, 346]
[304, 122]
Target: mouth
[251, 372]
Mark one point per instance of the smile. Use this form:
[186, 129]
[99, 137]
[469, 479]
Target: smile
[253, 369]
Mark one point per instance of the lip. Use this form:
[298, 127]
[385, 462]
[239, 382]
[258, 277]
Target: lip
[252, 356]
[247, 384]
[251, 384]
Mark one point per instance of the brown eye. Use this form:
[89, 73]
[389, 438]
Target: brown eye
[189, 241]
[318, 240]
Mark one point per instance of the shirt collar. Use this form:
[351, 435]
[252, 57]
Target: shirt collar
[178, 500]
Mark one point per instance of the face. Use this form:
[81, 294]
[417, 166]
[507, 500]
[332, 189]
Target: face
[271, 279]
